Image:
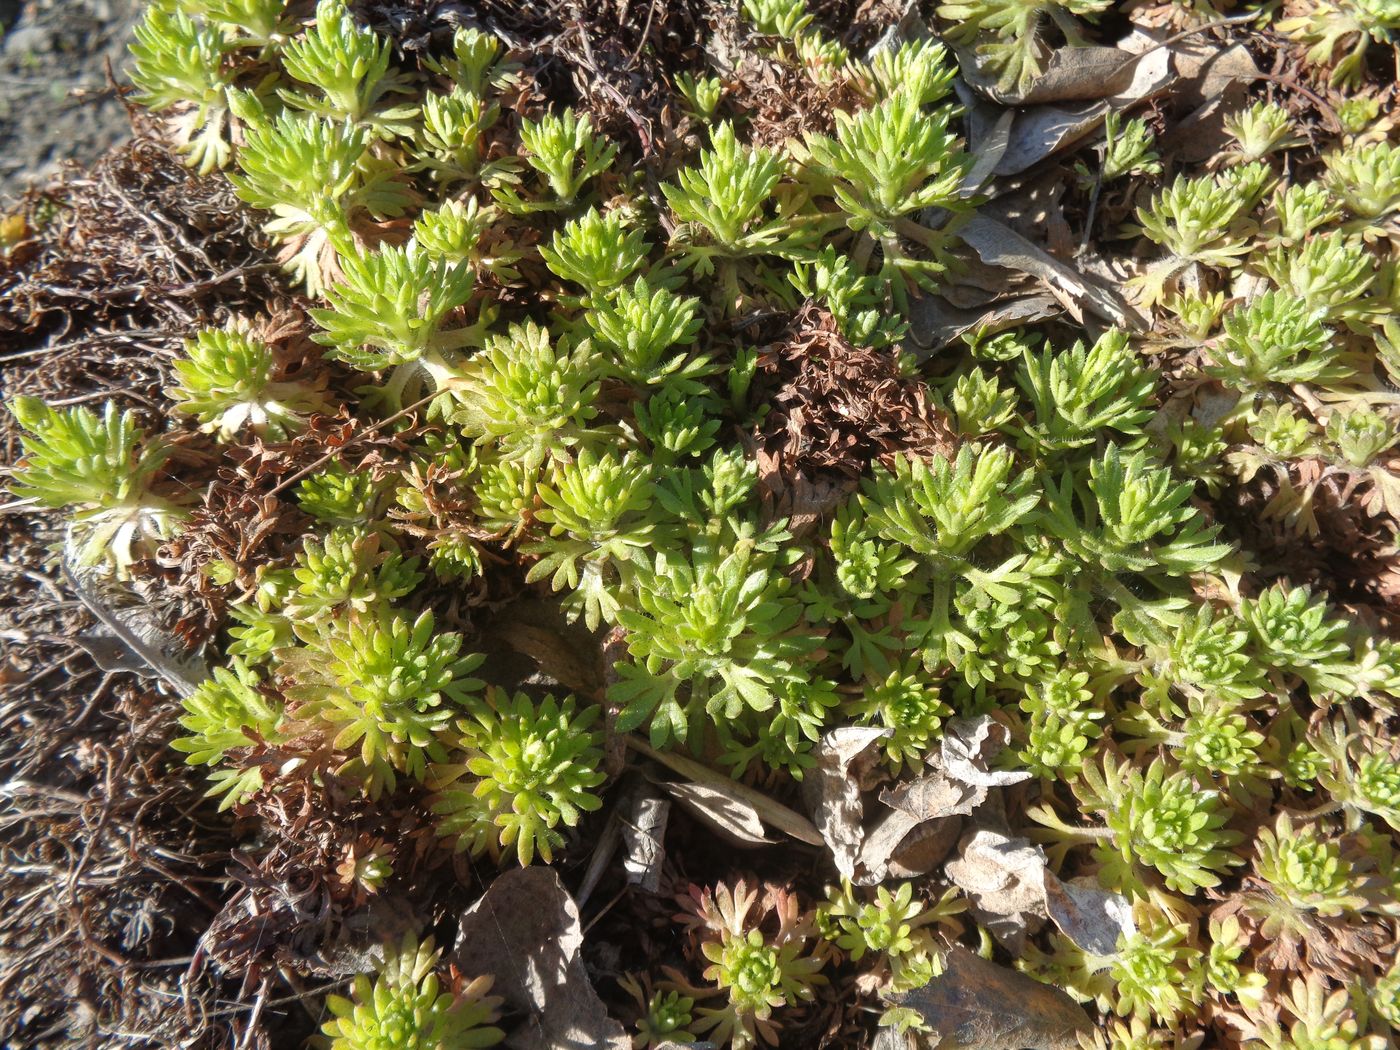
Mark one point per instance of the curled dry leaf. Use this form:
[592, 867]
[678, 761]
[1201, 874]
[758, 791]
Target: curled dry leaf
[774, 814]
[977, 1005]
[921, 830]
[1004, 879]
[525, 933]
[733, 817]
[129, 636]
[1012, 892]
[1093, 918]
[832, 791]
[901, 847]
[936, 323]
[967, 748]
[998, 245]
[1040, 132]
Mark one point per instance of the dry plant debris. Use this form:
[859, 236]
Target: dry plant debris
[643, 524]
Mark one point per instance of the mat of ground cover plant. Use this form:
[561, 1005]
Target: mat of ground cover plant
[139, 913]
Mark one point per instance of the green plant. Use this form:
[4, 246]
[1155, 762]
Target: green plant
[555, 353]
[1328, 26]
[1135, 517]
[1261, 129]
[1275, 339]
[566, 151]
[526, 768]
[1360, 435]
[452, 144]
[596, 251]
[534, 397]
[758, 972]
[1302, 207]
[405, 1006]
[1063, 723]
[893, 924]
[247, 23]
[1199, 220]
[1159, 819]
[348, 66]
[351, 570]
[598, 509]
[710, 635]
[227, 381]
[907, 705]
[182, 64]
[384, 685]
[1330, 274]
[389, 310]
[666, 1015]
[1157, 973]
[723, 207]
[883, 164]
[1079, 393]
[228, 711]
[318, 179]
[1306, 870]
[1366, 179]
[1127, 151]
[702, 94]
[105, 471]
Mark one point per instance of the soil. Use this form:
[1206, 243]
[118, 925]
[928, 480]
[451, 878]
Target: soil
[56, 99]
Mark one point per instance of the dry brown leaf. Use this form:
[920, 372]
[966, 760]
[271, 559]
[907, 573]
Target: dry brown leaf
[997, 245]
[1004, 879]
[969, 744]
[978, 1005]
[732, 817]
[832, 792]
[525, 933]
[901, 847]
[774, 814]
[935, 323]
[1091, 917]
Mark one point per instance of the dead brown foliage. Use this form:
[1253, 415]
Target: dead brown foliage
[836, 409]
[112, 866]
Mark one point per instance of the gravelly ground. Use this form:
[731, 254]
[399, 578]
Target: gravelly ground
[55, 102]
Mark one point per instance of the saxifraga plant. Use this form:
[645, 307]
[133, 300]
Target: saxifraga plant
[560, 355]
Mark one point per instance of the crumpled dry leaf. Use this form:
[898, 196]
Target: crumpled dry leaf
[998, 245]
[1091, 917]
[1081, 74]
[832, 793]
[969, 744]
[978, 1005]
[525, 933]
[1212, 84]
[1012, 893]
[1004, 879]
[901, 846]
[891, 1038]
[920, 831]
